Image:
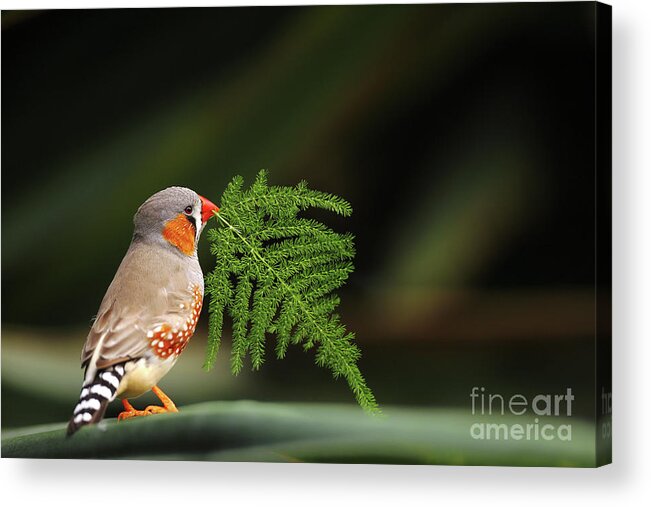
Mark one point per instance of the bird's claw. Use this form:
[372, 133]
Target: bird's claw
[168, 406]
[150, 410]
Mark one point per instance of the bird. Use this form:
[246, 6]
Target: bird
[149, 311]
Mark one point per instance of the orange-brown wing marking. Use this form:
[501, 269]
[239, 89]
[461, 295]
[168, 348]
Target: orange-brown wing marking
[166, 341]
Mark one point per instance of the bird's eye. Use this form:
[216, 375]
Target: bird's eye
[188, 210]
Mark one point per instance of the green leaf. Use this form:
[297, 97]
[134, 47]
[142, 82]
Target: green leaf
[276, 274]
[290, 432]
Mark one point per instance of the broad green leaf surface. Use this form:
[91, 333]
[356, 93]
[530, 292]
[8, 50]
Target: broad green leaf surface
[252, 431]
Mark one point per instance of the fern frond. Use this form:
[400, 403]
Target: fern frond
[286, 270]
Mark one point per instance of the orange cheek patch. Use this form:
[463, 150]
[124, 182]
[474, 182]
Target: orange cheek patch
[180, 233]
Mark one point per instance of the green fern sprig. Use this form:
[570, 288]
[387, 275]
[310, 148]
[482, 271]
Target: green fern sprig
[276, 274]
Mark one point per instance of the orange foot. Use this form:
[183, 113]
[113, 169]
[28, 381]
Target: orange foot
[168, 406]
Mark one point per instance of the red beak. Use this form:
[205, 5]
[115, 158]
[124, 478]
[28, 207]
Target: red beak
[207, 209]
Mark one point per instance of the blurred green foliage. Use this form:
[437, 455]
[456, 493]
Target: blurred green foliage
[396, 108]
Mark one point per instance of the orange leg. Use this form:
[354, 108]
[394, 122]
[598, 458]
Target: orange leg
[168, 406]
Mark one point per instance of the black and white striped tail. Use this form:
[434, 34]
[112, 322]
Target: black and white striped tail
[95, 397]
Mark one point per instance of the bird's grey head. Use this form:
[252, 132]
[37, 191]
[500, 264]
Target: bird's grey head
[172, 216]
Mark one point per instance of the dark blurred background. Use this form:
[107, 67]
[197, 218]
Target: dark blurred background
[461, 134]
